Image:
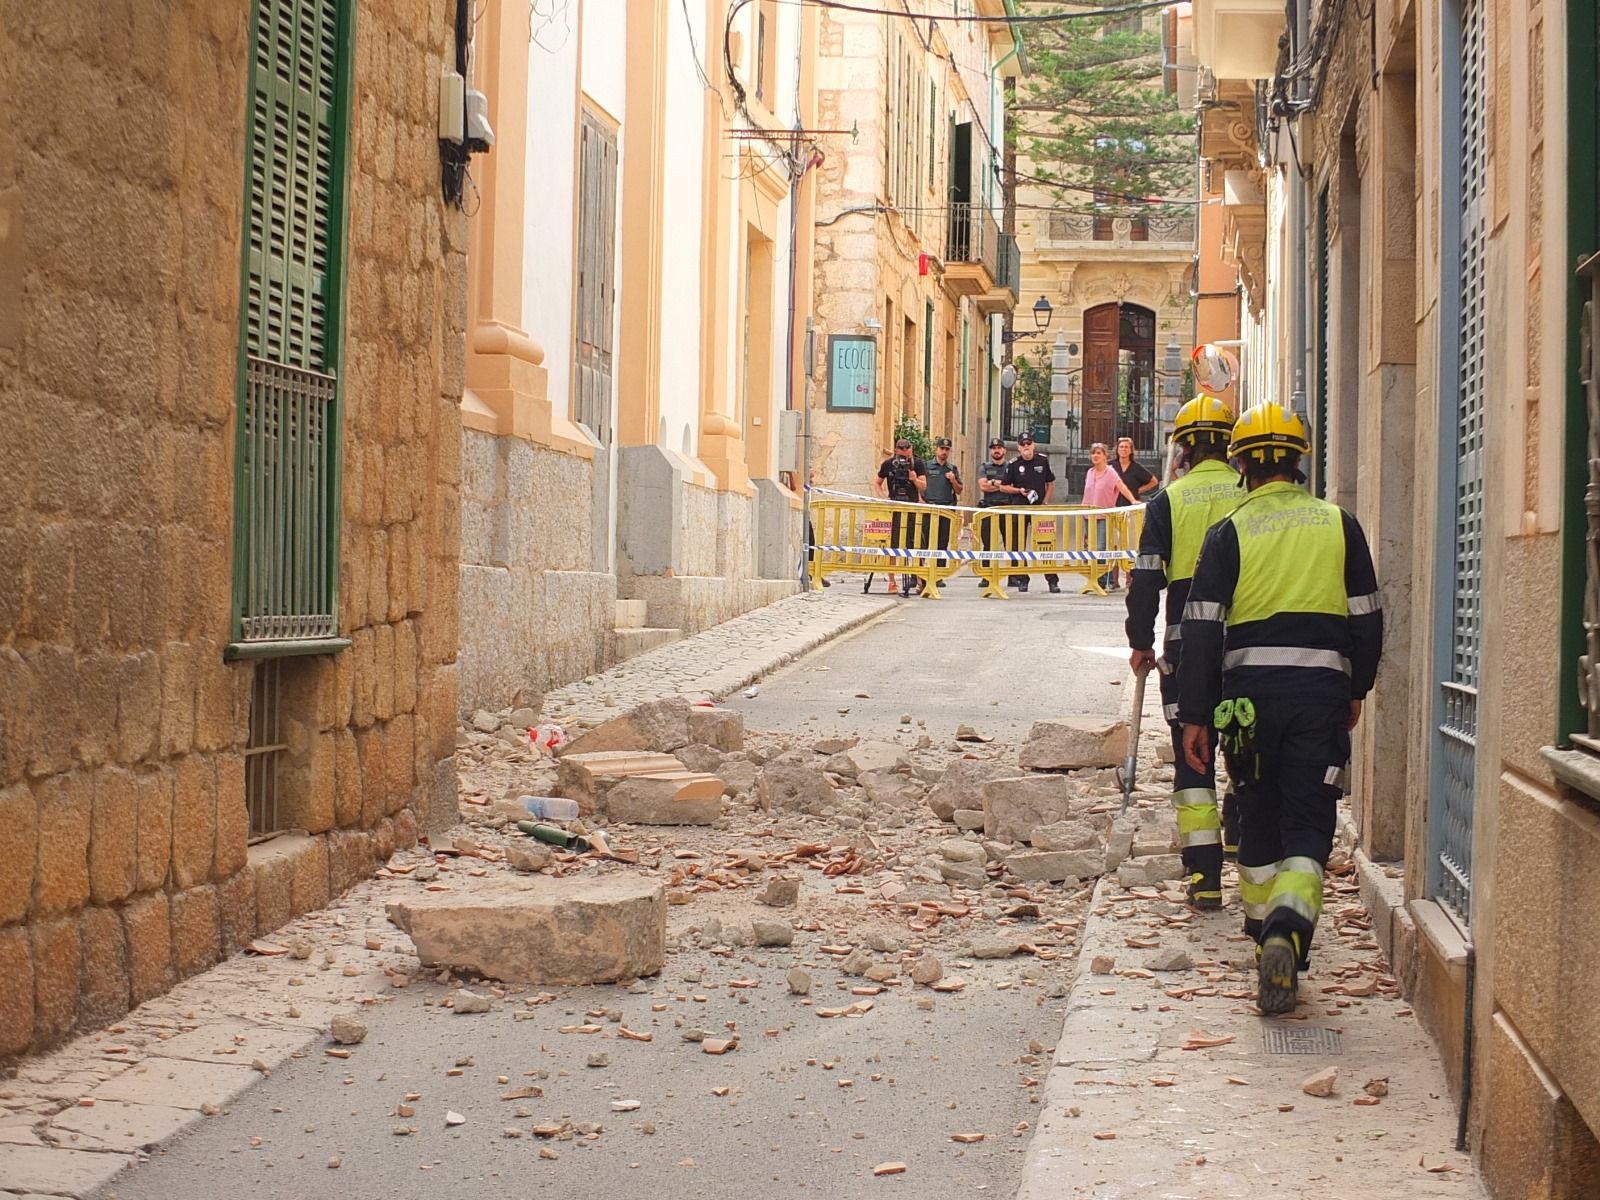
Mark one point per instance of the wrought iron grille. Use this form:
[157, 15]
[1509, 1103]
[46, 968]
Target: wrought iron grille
[288, 521]
[264, 748]
[1452, 807]
[1589, 376]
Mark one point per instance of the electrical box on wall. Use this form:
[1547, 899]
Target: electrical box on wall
[789, 439]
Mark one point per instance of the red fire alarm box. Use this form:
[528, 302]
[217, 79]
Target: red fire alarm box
[922, 264]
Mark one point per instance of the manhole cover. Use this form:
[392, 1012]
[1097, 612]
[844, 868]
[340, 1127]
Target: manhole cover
[1290, 1039]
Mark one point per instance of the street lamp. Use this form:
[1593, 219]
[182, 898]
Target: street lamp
[1042, 312]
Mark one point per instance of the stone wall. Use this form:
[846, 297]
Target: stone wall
[122, 814]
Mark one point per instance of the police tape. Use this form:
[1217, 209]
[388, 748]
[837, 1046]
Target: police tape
[923, 507]
[1015, 557]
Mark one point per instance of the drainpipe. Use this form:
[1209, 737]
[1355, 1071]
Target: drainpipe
[1466, 1049]
[1300, 286]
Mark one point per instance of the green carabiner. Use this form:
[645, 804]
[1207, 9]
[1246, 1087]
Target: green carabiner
[1223, 716]
[1245, 711]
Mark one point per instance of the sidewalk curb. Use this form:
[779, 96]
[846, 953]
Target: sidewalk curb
[822, 639]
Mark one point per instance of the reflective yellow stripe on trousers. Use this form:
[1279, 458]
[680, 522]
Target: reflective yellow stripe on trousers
[1255, 889]
[1199, 823]
[1298, 887]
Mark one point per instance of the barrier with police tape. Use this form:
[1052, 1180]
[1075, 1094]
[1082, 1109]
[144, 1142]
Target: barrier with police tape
[862, 535]
[866, 536]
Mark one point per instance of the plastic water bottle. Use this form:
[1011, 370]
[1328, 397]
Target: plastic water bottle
[551, 808]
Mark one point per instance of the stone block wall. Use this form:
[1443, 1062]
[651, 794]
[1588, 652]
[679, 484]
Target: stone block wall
[122, 727]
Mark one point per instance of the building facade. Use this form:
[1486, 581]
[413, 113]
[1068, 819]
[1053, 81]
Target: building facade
[1425, 283]
[635, 270]
[230, 294]
[912, 270]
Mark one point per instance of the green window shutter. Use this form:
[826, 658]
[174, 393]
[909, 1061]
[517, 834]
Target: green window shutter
[287, 472]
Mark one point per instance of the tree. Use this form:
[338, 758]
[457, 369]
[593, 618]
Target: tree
[1094, 120]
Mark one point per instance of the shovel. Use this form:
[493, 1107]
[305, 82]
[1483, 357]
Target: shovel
[1131, 764]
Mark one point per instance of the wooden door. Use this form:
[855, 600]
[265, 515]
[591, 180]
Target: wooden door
[1100, 329]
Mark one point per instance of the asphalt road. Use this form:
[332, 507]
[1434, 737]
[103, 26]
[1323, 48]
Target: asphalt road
[775, 1115]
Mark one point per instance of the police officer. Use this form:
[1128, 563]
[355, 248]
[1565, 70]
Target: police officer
[994, 488]
[1281, 638]
[1175, 523]
[944, 488]
[1033, 483]
[901, 477]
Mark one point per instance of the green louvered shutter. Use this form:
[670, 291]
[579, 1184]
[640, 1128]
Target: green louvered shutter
[285, 576]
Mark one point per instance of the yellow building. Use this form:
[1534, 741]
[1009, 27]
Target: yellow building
[230, 307]
[912, 268]
[1420, 270]
[627, 470]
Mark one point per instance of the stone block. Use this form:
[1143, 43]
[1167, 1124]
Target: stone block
[890, 789]
[308, 880]
[273, 872]
[1119, 843]
[371, 751]
[350, 859]
[19, 851]
[671, 798]
[97, 735]
[738, 776]
[961, 783]
[405, 770]
[405, 667]
[16, 991]
[405, 821]
[383, 843]
[154, 834]
[1068, 835]
[1152, 870]
[383, 672]
[196, 932]
[214, 721]
[587, 778]
[57, 955]
[549, 932]
[52, 682]
[194, 820]
[658, 725]
[17, 715]
[1057, 864]
[346, 780]
[867, 756]
[1158, 834]
[720, 728]
[795, 786]
[236, 910]
[139, 707]
[699, 757]
[233, 817]
[66, 809]
[148, 925]
[103, 982]
[113, 837]
[1013, 808]
[968, 818]
[177, 699]
[1071, 743]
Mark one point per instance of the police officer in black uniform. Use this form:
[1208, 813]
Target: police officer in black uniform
[994, 488]
[1033, 482]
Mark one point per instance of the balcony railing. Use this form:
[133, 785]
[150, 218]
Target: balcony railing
[1010, 262]
[973, 237]
[1178, 231]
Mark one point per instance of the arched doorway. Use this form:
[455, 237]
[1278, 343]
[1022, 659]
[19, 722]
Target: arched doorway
[1119, 376]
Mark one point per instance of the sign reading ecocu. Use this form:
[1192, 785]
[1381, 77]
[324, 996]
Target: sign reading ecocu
[852, 372]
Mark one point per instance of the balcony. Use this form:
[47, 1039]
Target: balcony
[1238, 39]
[1081, 231]
[1002, 297]
[972, 251]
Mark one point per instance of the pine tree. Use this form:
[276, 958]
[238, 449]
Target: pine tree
[1092, 116]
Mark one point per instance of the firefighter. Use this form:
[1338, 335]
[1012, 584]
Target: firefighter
[1281, 638]
[1175, 523]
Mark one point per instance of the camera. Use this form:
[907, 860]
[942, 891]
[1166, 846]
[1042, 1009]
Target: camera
[899, 469]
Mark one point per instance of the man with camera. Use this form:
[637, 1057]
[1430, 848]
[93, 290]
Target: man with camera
[902, 478]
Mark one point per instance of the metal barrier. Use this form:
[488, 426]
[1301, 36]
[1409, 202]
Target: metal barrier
[1085, 542]
[855, 534]
[858, 535]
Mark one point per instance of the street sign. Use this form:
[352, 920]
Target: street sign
[852, 372]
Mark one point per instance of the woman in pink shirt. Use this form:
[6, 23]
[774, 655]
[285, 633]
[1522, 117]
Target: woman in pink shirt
[1101, 487]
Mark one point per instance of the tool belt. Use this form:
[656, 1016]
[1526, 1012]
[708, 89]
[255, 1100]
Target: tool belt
[1235, 722]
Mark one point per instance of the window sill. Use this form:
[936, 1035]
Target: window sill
[287, 648]
[1578, 769]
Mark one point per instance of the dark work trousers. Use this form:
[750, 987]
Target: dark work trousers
[916, 533]
[1019, 528]
[936, 531]
[1194, 793]
[1288, 793]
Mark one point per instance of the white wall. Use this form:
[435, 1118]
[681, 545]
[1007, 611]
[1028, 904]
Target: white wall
[547, 295]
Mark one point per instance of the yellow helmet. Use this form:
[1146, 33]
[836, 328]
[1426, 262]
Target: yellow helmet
[1268, 431]
[1201, 416]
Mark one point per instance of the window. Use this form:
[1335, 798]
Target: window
[597, 267]
[766, 50]
[286, 505]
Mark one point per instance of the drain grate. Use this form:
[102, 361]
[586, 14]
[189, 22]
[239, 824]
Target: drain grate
[1304, 1039]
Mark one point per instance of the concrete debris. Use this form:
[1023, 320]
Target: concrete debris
[659, 725]
[959, 789]
[857, 961]
[1153, 870]
[966, 733]
[587, 778]
[799, 982]
[465, 1003]
[890, 789]
[780, 892]
[772, 933]
[529, 856]
[1170, 960]
[347, 1030]
[994, 947]
[1068, 835]
[1013, 808]
[832, 745]
[961, 850]
[669, 798]
[966, 874]
[485, 722]
[927, 969]
[791, 785]
[1071, 743]
[1158, 834]
[1323, 1084]
[1055, 865]
[1119, 844]
[738, 776]
[720, 728]
[524, 718]
[697, 756]
[970, 819]
[552, 931]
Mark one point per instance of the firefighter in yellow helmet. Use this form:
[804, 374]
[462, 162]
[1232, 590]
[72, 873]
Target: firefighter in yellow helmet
[1281, 638]
[1175, 523]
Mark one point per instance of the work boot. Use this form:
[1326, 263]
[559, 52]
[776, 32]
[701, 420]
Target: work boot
[1205, 889]
[1276, 976]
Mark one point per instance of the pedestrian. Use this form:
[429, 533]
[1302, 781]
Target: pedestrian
[903, 478]
[1102, 487]
[1282, 633]
[1175, 524]
[944, 489]
[1034, 483]
[995, 490]
[1138, 478]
